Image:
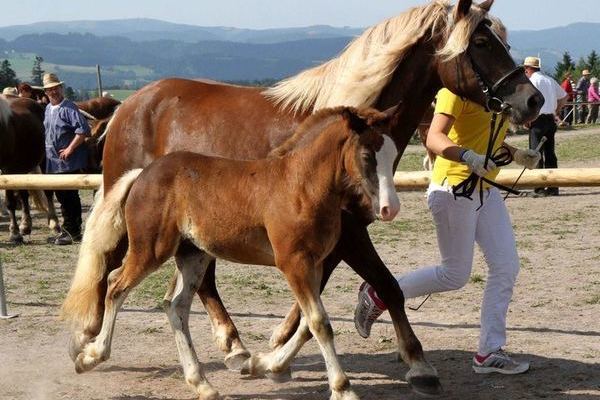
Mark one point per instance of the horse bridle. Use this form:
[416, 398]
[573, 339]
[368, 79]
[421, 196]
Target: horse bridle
[497, 106]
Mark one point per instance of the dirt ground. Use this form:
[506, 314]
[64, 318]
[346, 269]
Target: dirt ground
[554, 319]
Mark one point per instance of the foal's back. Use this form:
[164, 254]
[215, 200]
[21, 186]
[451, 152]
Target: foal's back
[219, 204]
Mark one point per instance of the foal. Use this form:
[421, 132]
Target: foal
[283, 211]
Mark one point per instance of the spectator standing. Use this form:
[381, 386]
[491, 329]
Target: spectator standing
[545, 125]
[568, 111]
[25, 90]
[594, 98]
[583, 84]
[66, 130]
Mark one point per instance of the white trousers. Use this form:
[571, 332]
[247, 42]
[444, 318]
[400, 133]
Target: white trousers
[459, 225]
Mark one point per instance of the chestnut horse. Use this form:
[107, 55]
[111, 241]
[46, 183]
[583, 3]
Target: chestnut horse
[22, 151]
[408, 57]
[250, 212]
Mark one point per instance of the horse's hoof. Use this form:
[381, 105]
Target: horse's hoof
[84, 363]
[16, 239]
[75, 348]
[281, 376]
[235, 360]
[428, 385]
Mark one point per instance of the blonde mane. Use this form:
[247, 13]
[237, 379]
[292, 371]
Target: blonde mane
[365, 67]
[5, 111]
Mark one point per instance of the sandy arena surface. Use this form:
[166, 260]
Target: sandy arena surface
[554, 319]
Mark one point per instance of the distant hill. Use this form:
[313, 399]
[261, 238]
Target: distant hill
[72, 49]
[145, 29]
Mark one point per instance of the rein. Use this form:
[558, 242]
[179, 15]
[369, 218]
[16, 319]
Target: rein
[502, 155]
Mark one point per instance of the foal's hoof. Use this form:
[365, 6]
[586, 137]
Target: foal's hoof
[281, 376]
[254, 367]
[428, 385]
[235, 360]
[84, 363]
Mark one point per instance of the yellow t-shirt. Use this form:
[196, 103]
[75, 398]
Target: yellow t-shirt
[471, 130]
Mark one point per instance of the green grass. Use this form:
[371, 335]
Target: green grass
[579, 148]
[412, 161]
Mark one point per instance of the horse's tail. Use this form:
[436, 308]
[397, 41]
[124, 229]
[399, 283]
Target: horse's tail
[104, 228]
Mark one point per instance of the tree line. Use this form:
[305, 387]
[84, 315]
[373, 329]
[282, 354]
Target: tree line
[8, 77]
[591, 62]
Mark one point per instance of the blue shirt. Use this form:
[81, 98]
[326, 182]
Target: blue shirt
[62, 122]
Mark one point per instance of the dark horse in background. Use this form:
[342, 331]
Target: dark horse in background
[407, 58]
[98, 112]
[22, 151]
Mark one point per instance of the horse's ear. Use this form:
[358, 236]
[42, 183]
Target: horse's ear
[355, 121]
[486, 5]
[391, 112]
[462, 9]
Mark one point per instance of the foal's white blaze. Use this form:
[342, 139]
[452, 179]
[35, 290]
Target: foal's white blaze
[389, 204]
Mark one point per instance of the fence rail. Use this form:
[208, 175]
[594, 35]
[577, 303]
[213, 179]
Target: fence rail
[403, 180]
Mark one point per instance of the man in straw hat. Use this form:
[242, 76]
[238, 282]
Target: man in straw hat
[66, 130]
[582, 88]
[545, 124]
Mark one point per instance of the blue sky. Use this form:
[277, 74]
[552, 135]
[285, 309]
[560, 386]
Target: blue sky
[516, 14]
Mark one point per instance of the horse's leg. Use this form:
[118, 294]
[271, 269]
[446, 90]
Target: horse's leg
[287, 328]
[356, 249]
[358, 252]
[25, 225]
[225, 333]
[191, 267]
[11, 204]
[304, 279]
[53, 223]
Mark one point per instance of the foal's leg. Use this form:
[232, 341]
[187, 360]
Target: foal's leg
[191, 267]
[305, 280]
[120, 281]
[25, 225]
[224, 331]
[11, 204]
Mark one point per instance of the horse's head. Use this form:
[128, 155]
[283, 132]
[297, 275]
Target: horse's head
[475, 63]
[370, 163]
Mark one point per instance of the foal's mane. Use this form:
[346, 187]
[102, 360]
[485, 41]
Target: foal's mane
[358, 75]
[309, 129]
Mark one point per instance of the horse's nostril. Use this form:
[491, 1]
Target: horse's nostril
[535, 101]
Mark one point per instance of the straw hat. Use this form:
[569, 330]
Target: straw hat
[51, 80]
[9, 90]
[585, 72]
[533, 62]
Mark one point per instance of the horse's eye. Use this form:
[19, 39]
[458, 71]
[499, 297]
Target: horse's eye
[480, 42]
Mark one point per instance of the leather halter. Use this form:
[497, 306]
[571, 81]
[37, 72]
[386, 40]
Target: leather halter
[501, 156]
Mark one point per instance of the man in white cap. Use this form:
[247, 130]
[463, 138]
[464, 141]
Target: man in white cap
[66, 130]
[545, 125]
[582, 87]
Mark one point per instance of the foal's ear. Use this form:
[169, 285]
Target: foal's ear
[486, 5]
[355, 121]
[462, 9]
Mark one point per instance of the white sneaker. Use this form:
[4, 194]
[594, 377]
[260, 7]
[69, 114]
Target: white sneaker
[368, 309]
[501, 363]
